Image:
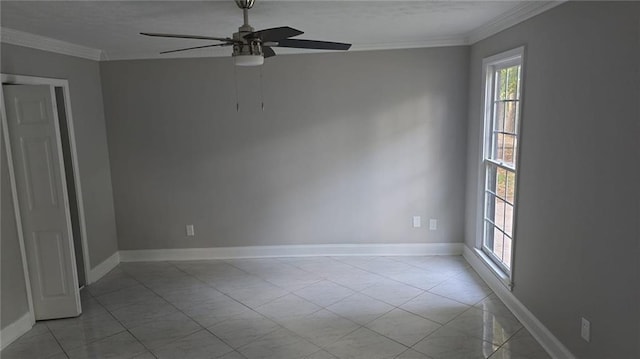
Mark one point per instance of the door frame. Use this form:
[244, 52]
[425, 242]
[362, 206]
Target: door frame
[64, 84]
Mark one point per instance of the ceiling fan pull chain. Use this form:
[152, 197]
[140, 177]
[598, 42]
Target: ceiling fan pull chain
[235, 79]
[261, 90]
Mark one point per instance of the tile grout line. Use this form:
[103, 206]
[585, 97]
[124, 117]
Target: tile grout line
[128, 329]
[424, 291]
[231, 298]
[57, 341]
[407, 284]
[119, 322]
[279, 323]
[442, 325]
[506, 341]
[226, 295]
[292, 292]
[321, 308]
[361, 326]
[202, 327]
[394, 307]
[235, 300]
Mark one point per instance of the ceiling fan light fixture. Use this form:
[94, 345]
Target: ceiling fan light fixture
[248, 60]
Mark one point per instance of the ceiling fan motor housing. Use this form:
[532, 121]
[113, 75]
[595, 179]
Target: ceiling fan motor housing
[244, 46]
[247, 52]
[251, 47]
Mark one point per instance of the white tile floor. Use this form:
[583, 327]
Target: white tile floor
[281, 308]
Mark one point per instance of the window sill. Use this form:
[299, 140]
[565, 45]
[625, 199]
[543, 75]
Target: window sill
[504, 278]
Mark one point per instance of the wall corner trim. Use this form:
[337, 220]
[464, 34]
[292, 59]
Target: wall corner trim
[21, 38]
[551, 344]
[103, 268]
[16, 329]
[184, 254]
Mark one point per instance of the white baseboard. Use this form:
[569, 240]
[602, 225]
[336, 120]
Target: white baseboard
[551, 344]
[103, 268]
[184, 254]
[15, 330]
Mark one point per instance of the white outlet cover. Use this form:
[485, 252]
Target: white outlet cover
[433, 224]
[585, 330]
[417, 222]
[190, 230]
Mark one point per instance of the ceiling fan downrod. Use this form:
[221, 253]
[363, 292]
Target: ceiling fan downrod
[245, 5]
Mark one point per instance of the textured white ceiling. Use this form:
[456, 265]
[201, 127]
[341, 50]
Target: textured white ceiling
[113, 26]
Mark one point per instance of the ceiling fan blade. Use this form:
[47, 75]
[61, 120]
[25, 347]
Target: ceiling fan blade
[267, 51]
[274, 34]
[193, 48]
[178, 36]
[312, 44]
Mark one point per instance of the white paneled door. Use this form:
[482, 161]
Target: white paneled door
[34, 136]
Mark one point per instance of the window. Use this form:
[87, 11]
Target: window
[503, 88]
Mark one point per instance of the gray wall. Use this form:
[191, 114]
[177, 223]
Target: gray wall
[88, 117]
[348, 148]
[13, 292]
[577, 232]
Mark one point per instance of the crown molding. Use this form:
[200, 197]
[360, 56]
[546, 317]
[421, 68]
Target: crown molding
[122, 56]
[518, 14]
[435, 42]
[20, 38]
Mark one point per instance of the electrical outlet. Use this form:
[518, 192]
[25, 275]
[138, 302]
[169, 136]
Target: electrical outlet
[417, 222]
[190, 230]
[585, 330]
[433, 224]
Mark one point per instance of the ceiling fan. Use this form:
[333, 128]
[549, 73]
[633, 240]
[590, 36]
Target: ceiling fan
[250, 47]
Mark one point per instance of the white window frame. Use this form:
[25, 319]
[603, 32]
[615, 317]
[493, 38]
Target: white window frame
[505, 59]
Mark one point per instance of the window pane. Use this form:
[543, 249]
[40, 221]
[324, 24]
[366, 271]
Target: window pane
[511, 187]
[507, 243]
[508, 219]
[499, 115]
[501, 189]
[512, 82]
[491, 178]
[501, 85]
[519, 90]
[488, 235]
[507, 83]
[498, 153]
[508, 148]
[516, 117]
[510, 110]
[499, 213]
[489, 211]
[498, 244]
